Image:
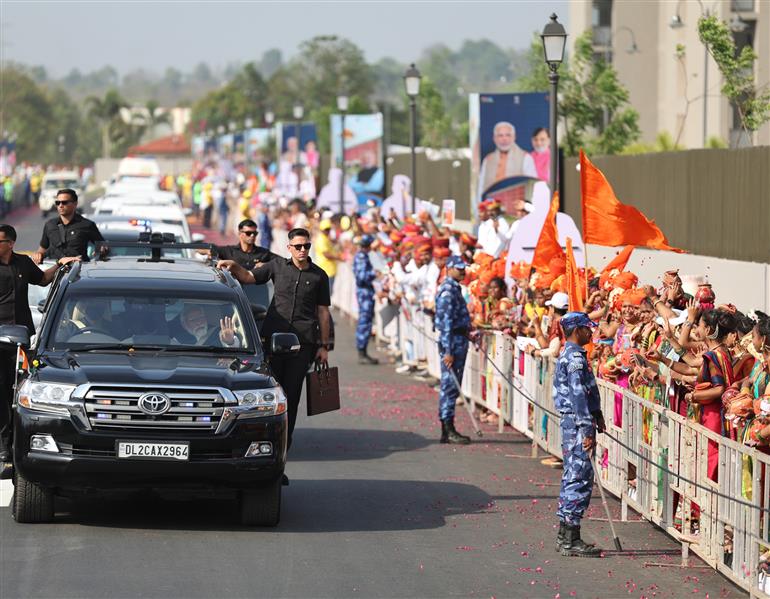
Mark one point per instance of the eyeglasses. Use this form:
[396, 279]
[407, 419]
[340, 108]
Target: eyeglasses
[300, 246]
[249, 233]
[62, 202]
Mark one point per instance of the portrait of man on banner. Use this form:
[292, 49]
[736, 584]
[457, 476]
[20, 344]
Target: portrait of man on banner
[509, 148]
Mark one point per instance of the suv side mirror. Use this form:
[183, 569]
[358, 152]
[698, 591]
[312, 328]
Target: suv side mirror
[259, 312]
[284, 343]
[17, 334]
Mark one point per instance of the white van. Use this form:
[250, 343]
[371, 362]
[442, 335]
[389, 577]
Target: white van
[53, 182]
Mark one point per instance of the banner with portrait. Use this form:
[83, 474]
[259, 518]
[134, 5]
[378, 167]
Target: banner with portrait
[510, 148]
[364, 169]
[258, 145]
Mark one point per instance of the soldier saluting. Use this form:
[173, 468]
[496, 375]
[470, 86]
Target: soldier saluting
[576, 397]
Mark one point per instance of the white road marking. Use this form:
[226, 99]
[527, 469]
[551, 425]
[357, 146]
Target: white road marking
[6, 490]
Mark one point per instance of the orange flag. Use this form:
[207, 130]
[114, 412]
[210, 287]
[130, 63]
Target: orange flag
[548, 246]
[620, 261]
[606, 221]
[574, 289]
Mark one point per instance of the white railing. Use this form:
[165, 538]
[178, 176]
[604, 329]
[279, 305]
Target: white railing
[654, 462]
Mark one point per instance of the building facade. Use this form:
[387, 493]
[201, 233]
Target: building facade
[673, 83]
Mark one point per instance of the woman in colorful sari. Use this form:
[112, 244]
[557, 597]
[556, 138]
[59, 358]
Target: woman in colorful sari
[716, 375]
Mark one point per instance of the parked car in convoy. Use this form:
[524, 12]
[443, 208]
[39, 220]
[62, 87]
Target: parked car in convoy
[149, 372]
[53, 182]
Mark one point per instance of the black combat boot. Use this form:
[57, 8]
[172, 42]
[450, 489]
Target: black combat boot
[452, 436]
[574, 546]
[561, 535]
[444, 433]
[365, 358]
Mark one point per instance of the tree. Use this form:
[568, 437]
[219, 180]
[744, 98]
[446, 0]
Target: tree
[737, 68]
[26, 110]
[107, 112]
[590, 92]
[271, 61]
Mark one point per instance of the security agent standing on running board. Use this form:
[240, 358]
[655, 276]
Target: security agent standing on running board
[69, 233]
[453, 324]
[300, 305]
[576, 398]
[17, 272]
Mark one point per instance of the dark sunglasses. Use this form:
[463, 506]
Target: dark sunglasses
[301, 246]
[249, 233]
[62, 202]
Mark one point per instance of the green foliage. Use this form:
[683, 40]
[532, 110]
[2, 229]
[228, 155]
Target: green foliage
[737, 69]
[664, 142]
[716, 143]
[535, 78]
[26, 110]
[589, 92]
[592, 92]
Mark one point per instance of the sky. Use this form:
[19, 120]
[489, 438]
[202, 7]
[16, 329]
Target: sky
[62, 35]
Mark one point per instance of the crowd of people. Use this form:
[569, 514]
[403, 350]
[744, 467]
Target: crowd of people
[672, 343]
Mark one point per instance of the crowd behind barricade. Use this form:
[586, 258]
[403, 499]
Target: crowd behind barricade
[671, 343]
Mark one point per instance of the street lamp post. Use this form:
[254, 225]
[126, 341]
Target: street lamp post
[298, 112]
[269, 118]
[554, 39]
[247, 124]
[342, 106]
[412, 84]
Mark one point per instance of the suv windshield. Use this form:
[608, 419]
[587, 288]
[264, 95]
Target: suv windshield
[88, 321]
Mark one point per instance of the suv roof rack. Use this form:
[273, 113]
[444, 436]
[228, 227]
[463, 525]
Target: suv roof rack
[156, 242]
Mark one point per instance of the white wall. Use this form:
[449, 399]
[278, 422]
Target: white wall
[745, 284]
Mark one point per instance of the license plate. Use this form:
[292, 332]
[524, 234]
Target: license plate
[149, 450]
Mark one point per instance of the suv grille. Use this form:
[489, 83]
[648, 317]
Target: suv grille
[115, 408]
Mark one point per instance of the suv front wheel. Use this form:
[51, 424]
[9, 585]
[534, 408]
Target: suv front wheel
[31, 503]
[261, 506]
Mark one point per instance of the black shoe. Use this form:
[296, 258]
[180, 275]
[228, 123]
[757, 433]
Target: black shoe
[444, 433]
[285, 480]
[453, 437]
[574, 546]
[561, 536]
[365, 358]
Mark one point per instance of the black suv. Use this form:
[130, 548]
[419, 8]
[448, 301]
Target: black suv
[149, 373]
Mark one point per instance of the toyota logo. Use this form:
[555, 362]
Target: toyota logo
[154, 404]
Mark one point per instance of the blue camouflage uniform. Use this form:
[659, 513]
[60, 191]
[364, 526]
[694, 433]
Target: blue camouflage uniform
[365, 275]
[576, 397]
[453, 324]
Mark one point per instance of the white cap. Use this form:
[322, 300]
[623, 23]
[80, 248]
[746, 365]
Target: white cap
[680, 318]
[560, 301]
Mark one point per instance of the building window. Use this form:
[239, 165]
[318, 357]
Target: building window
[601, 21]
[742, 5]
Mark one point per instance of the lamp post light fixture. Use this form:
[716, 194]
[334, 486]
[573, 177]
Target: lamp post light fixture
[232, 126]
[221, 130]
[248, 123]
[554, 40]
[269, 117]
[412, 79]
[342, 105]
[298, 111]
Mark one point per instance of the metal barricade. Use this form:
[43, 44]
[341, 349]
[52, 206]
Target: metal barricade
[653, 460]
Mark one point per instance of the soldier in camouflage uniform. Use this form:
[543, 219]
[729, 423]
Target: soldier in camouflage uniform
[453, 324]
[576, 397]
[364, 274]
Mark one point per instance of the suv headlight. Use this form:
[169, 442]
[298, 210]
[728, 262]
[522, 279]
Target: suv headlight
[261, 402]
[46, 397]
